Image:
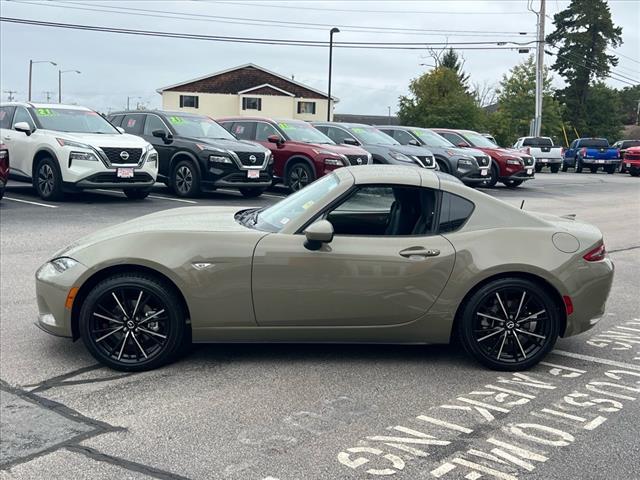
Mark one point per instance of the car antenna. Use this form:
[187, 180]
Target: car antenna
[522, 205]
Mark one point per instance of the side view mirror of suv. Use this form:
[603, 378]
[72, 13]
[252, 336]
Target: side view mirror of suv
[163, 135]
[415, 143]
[350, 141]
[275, 139]
[23, 127]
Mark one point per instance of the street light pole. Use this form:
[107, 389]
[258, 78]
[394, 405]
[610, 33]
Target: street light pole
[537, 125]
[331, 32]
[31, 62]
[60, 72]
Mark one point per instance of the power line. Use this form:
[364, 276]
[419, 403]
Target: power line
[582, 65]
[594, 65]
[266, 23]
[499, 45]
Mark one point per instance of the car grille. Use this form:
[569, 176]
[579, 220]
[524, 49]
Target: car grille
[483, 161]
[426, 161]
[114, 155]
[111, 177]
[245, 159]
[357, 159]
[632, 156]
[528, 161]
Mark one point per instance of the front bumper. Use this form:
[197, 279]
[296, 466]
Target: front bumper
[217, 178]
[473, 175]
[521, 175]
[111, 180]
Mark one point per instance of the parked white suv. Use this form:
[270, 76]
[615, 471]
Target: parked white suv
[62, 148]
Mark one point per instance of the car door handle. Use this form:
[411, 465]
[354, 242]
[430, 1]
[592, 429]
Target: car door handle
[7, 138]
[419, 252]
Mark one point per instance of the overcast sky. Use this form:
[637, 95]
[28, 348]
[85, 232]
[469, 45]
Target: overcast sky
[115, 66]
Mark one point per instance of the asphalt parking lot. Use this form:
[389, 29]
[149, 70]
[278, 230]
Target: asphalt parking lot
[293, 412]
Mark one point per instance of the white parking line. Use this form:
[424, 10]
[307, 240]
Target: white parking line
[30, 202]
[603, 361]
[150, 196]
[269, 195]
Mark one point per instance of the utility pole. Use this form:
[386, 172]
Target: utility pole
[331, 32]
[537, 125]
[389, 115]
[10, 94]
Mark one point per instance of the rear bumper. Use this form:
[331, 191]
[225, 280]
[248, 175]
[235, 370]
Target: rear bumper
[548, 161]
[600, 161]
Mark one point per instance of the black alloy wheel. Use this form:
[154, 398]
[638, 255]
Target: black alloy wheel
[299, 176]
[132, 322]
[185, 179]
[494, 173]
[538, 167]
[509, 324]
[48, 180]
[555, 168]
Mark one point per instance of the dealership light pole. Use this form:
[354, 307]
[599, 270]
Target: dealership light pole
[537, 121]
[331, 32]
[31, 62]
[60, 72]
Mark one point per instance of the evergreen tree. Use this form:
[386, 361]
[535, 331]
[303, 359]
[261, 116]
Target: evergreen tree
[451, 59]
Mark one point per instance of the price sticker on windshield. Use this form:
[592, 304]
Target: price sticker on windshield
[284, 126]
[44, 112]
[176, 119]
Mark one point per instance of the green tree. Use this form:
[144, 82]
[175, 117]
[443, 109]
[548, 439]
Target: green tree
[583, 33]
[604, 119]
[451, 59]
[516, 105]
[629, 100]
[438, 99]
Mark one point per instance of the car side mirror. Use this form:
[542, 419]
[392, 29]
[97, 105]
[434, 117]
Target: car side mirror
[462, 145]
[351, 141]
[415, 143]
[277, 139]
[318, 233]
[23, 127]
[121, 130]
[167, 138]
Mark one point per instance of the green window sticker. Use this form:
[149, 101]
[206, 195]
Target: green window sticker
[357, 130]
[44, 112]
[176, 120]
[284, 126]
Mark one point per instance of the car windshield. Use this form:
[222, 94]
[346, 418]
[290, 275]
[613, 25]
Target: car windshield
[72, 120]
[431, 139]
[304, 132]
[275, 217]
[478, 140]
[372, 136]
[537, 142]
[595, 143]
[198, 126]
[631, 143]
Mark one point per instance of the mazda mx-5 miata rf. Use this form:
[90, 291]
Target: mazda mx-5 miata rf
[376, 254]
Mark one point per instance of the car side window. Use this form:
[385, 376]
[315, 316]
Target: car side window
[133, 124]
[452, 137]
[403, 137]
[386, 210]
[23, 116]
[264, 131]
[337, 135]
[455, 211]
[6, 115]
[244, 130]
[153, 123]
[115, 120]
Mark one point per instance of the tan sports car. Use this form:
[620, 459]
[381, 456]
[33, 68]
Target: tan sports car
[376, 254]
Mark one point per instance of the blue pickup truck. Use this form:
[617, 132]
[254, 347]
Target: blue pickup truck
[591, 153]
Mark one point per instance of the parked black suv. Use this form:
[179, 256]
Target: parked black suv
[196, 153]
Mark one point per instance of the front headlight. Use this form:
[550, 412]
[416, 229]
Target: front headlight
[465, 161]
[369, 158]
[334, 162]
[152, 158]
[514, 161]
[209, 148]
[83, 156]
[56, 267]
[219, 159]
[401, 157]
[268, 157]
[69, 143]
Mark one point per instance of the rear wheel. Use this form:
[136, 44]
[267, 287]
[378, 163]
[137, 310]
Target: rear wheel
[509, 324]
[555, 168]
[185, 179]
[137, 193]
[132, 322]
[610, 169]
[48, 180]
[565, 167]
[593, 169]
[252, 192]
[538, 168]
[578, 165]
[299, 176]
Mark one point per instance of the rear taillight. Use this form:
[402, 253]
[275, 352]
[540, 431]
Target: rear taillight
[619, 154]
[583, 151]
[597, 254]
[562, 151]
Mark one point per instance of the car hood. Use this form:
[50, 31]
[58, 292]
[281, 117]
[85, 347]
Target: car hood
[231, 144]
[499, 151]
[186, 219]
[405, 149]
[340, 149]
[462, 152]
[120, 140]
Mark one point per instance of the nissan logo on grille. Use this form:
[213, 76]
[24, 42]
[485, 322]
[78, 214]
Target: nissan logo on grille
[124, 155]
[253, 159]
[359, 161]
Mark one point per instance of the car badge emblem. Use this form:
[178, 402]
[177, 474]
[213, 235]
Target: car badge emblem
[359, 161]
[124, 155]
[253, 159]
[202, 265]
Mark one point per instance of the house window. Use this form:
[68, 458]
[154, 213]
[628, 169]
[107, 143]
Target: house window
[251, 103]
[307, 107]
[190, 101]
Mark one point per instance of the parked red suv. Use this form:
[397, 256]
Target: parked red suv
[4, 167]
[508, 166]
[301, 153]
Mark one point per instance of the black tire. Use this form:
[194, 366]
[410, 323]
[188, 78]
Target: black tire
[578, 165]
[610, 169]
[494, 173]
[483, 318]
[137, 193]
[299, 175]
[635, 173]
[565, 167]
[538, 168]
[252, 192]
[47, 179]
[621, 168]
[555, 168]
[444, 168]
[593, 169]
[512, 183]
[109, 333]
[185, 179]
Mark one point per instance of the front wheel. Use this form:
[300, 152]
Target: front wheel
[494, 173]
[137, 193]
[48, 180]
[509, 324]
[252, 192]
[132, 322]
[593, 169]
[299, 176]
[538, 168]
[565, 167]
[513, 183]
[185, 179]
